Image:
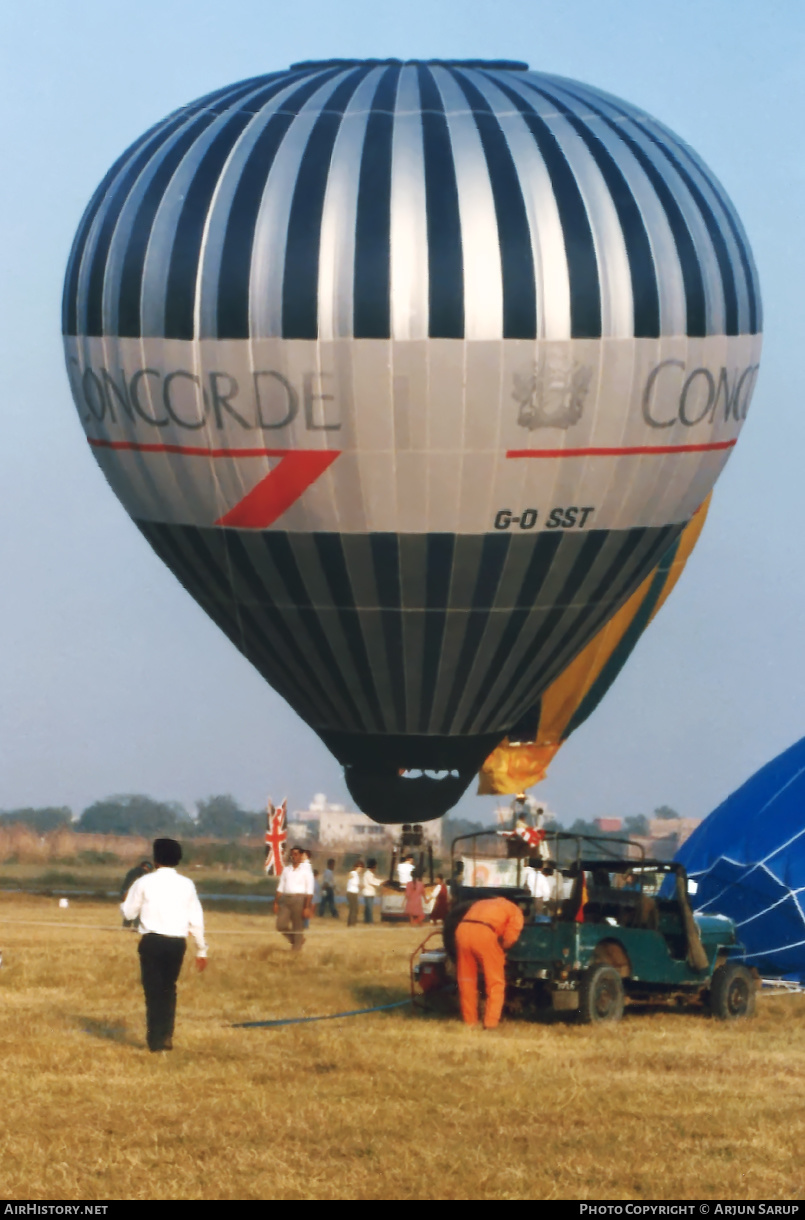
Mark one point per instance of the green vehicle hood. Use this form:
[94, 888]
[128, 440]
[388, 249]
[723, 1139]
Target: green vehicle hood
[716, 929]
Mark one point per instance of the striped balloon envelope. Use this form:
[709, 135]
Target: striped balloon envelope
[523, 757]
[411, 372]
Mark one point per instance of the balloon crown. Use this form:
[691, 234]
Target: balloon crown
[511, 65]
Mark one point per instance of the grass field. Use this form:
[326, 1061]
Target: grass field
[665, 1105]
[75, 874]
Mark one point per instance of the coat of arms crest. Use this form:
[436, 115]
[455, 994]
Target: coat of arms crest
[552, 393]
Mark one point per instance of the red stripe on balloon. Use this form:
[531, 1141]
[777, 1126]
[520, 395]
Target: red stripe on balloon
[280, 488]
[659, 449]
[296, 470]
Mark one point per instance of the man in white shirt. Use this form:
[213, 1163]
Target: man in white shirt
[293, 903]
[328, 890]
[369, 888]
[405, 870]
[537, 884]
[353, 892]
[167, 907]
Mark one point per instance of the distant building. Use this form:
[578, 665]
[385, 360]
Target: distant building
[341, 828]
[302, 833]
[317, 806]
[678, 828]
[331, 825]
[666, 836]
[608, 825]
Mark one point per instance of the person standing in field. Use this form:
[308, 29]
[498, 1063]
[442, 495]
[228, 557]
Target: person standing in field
[353, 890]
[415, 899]
[441, 901]
[294, 898]
[328, 890]
[369, 888]
[167, 907]
[489, 928]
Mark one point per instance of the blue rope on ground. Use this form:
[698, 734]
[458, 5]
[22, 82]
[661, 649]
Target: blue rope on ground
[356, 1012]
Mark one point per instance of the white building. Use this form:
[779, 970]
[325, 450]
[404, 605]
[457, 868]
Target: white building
[334, 826]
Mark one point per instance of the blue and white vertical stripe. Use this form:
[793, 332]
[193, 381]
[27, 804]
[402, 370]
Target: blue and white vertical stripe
[410, 201]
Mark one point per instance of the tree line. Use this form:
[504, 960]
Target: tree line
[219, 817]
[216, 817]
[636, 824]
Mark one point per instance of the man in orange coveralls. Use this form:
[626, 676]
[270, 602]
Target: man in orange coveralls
[489, 928]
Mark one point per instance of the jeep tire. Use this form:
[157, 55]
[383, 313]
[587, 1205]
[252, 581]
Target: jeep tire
[732, 992]
[600, 995]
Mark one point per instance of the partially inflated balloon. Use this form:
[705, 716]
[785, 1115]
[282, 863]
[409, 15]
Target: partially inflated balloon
[411, 372]
[748, 861]
[522, 759]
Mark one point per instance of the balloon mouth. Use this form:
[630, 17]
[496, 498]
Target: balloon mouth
[397, 778]
[390, 797]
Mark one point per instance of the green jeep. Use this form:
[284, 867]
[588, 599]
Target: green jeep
[613, 928]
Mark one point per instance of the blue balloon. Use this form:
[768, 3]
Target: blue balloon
[748, 860]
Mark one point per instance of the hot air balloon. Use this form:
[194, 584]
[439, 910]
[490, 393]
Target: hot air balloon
[411, 373]
[748, 861]
[522, 758]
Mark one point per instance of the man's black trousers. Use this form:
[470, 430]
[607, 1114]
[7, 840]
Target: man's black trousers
[160, 962]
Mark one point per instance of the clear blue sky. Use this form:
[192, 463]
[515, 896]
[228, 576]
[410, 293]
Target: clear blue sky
[111, 678]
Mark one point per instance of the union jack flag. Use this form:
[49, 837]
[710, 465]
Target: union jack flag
[532, 836]
[276, 834]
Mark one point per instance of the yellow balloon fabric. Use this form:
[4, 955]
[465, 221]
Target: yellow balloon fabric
[516, 765]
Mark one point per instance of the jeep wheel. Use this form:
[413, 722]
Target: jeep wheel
[600, 995]
[732, 992]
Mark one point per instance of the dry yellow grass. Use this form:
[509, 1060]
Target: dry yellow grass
[27, 845]
[666, 1105]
